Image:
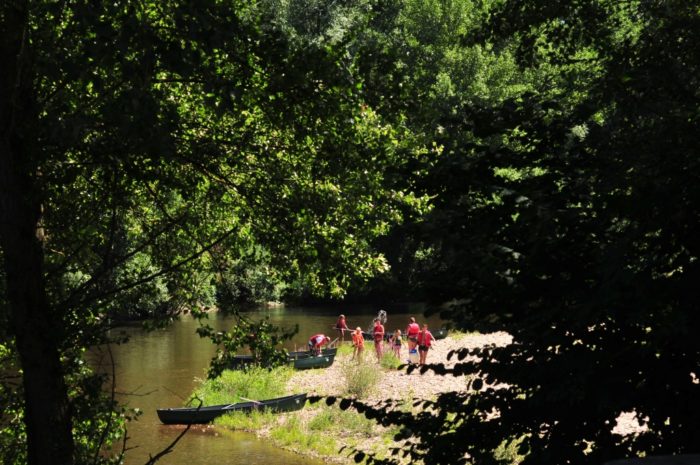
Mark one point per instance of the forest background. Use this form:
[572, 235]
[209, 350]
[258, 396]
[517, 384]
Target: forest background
[525, 166]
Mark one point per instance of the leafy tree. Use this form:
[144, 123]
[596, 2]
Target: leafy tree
[144, 145]
[564, 215]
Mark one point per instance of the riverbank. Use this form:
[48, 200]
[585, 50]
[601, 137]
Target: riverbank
[321, 431]
[397, 384]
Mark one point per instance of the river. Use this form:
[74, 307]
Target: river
[161, 368]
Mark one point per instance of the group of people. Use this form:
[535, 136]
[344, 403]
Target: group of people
[416, 338]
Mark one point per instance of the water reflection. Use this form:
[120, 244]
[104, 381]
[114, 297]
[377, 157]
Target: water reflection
[161, 368]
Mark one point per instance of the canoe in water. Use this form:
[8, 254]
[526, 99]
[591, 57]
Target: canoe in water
[191, 415]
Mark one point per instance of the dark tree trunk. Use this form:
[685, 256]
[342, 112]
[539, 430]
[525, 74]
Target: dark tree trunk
[47, 409]
[36, 328]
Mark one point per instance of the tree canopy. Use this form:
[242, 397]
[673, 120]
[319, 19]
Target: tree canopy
[524, 166]
[146, 145]
[564, 214]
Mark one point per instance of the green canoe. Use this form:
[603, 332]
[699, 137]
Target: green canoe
[313, 361]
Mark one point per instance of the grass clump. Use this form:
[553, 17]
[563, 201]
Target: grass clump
[293, 433]
[361, 378]
[458, 335]
[345, 349]
[238, 385]
[342, 422]
[246, 421]
[390, 361]
[328, 430]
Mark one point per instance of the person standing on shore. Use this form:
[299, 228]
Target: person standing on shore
[412, 333]
[425, 341]
[342, 326]
[358, 343]
[378, 333]
[396, 343]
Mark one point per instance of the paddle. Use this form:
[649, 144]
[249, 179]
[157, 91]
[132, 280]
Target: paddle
[341, 329]
[250, 400]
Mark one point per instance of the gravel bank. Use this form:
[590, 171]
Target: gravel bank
[397, 384]
[393, 385]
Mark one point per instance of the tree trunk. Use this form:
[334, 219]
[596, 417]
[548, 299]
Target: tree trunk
[47, 408]
[35, 327]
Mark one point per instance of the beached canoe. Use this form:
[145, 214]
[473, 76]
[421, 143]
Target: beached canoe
[191, 415]
[301, 353]
[313, 361]
[241, 361]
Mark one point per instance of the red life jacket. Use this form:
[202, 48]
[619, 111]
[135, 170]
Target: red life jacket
[378, 332]
[340, 324]
[425, 338]
[358, 339]
[412, 330]
[317, 340]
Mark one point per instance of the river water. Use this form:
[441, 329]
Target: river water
[161, 368]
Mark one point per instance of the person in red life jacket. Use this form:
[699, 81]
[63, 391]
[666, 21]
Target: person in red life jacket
[425, 341]
[341, 326]
[358, 343]
[412, 331]
[378, 333]
[317, 341]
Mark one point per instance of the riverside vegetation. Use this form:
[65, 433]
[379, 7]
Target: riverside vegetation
[525, 167]
[329, 432]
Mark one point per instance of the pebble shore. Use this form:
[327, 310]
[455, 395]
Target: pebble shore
[397, 384]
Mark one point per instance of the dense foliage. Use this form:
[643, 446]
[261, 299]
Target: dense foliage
[161, 157]
[149, 147]
[565, 215]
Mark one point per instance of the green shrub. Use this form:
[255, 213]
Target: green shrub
[345, 349]
[390, 361]
[323, 421]
[248, 421]
[292, 433]
[361, 378]
[344, 422]
[238, 385]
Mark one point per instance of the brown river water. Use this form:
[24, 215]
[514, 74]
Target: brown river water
[161, 368]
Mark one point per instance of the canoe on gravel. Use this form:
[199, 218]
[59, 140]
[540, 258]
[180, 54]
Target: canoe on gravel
[241, 361]
[313, 361]
[191, 415]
